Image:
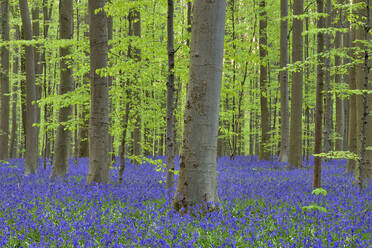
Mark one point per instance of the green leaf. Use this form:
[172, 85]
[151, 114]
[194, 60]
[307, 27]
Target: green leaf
[319, 191]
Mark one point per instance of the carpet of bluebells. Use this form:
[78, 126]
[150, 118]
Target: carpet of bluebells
[261, 206]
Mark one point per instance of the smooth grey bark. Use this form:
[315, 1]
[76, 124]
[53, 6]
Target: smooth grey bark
[283, 77]
[340, 112]
[135, 53]
[295, 131]
[197, 183]
[38, 66]
[84, 128]
[352, 134]
[264, 153]
[13, 135]
[124, 136]
[319, 99]
[170, 139]
[31, 109]
[63, 135]
[328, 108]
[4, 82]
[365, 167]
[98, 124]
[359, 78]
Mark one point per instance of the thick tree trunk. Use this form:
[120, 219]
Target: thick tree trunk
[4, 81]
[283, 77]
[170, 140]
[319, 100]
[38, 66]
[197, 182]
[31, 109]
[265, 118]
[63, 135]
[365, 167]
[98, 124]
[295, 132]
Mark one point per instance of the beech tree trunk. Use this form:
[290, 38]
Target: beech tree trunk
[197, 183]
[283, 77]
[135, 53]
[4, 81]
[340, 112]
[319, 100]
[31, 109]
[365, 168]
[328, 110]
[170, 140]
[98, 124]
[13, 136]
[264, 153]
[63, 135]
[295, 132]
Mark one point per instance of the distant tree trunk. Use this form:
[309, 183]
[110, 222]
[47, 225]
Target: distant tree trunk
[124, 137]
[63, 135]
[13, 134]
[265, 118]
[135, 53]
[170, 140]
[327, 79]
[340, 117]
[319, 100]
[352, 134]
[197, 182]
[31, 110]
[295, 136]
[99, 170]
[283, 77]
[4, 81]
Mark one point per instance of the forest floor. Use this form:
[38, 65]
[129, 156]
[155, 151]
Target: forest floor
[262, 206]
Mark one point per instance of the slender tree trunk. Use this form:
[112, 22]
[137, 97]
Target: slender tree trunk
[98, 124]
[170, 140]
[31, 110]
[63, 135]
[135, 53]
[13, 134]
[295, 132]
[123, 139]
[265, 118]
[327, 80]
[197, 182]
[340, 118]
[319, 100]
[283, 77]
[4, 81]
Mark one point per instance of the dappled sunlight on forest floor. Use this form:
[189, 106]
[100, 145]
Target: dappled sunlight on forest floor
[262, 206]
